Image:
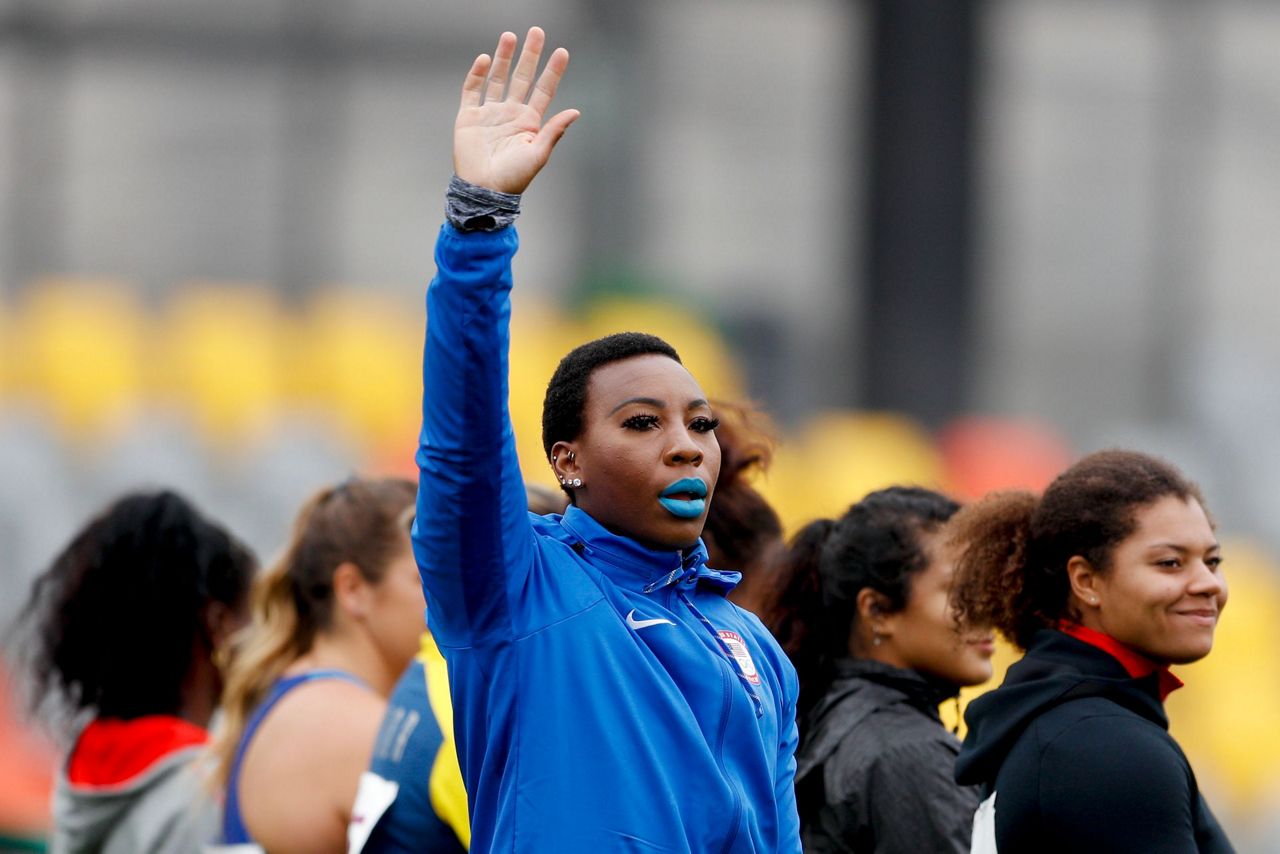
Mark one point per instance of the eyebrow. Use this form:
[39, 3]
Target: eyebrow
[1181, 549]
[657, 404]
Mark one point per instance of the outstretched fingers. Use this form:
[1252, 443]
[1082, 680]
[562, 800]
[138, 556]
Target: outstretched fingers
[473, 85]
[527, 67]
[549, 81]
[501, 66]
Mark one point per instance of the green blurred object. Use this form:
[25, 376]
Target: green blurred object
[15, 844]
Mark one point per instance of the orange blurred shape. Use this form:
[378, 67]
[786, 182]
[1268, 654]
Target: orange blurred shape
[982, 453]
[26, 774]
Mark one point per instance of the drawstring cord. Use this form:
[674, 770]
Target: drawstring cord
[688, 571]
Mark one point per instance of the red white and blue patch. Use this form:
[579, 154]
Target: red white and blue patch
[734, 641]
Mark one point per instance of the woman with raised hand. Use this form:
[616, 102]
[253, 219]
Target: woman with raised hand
[870, 628]
[1107, 579]
[607, 697]
[121, 639]
[335, 622]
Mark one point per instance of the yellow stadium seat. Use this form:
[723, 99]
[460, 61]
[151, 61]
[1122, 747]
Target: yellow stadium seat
[841, 456]
[223, 350]
[81, 346]
[359, 356]
[540, 337]
[701, 348]
[1225, 717]
[8, 351]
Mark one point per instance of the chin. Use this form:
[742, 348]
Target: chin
[1186, 653]
[974, 675]
[673, 538]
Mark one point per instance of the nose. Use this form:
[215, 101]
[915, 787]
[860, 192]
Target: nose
[683, 450]
[1207, 581]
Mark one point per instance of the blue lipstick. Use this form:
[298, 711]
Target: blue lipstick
[692, 501]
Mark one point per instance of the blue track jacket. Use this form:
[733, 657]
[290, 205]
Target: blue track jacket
[606, 697]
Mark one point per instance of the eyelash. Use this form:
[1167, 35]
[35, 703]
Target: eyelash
[1174, 563]
[648, 422]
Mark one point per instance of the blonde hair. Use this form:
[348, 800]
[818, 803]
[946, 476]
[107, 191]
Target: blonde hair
[358, 521]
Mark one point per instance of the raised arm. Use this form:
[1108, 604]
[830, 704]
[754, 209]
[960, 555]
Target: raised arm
[471, 536]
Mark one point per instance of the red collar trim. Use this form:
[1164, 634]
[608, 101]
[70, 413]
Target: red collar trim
[1135, 664]
[111, 751]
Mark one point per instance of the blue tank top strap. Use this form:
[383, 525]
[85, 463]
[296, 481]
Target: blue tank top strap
[233, 830]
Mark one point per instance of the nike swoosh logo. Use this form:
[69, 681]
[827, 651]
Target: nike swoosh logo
[644, 624]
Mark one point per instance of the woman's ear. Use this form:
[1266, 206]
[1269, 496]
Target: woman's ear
[1084, 581]
[874, 611]
[351, 592]
[221, 622]
[564, 461]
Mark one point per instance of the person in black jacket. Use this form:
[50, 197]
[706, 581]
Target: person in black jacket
[1107, 579]
[870, 629]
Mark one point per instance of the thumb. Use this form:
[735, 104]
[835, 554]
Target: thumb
[553, 130]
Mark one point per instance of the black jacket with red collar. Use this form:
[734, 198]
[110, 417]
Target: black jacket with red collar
[1074, 754]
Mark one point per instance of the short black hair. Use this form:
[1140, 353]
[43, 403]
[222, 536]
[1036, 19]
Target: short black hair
[114, 622]
[567, 392]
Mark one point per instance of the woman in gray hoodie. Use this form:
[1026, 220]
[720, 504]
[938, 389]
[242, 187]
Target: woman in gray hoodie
[119, 640]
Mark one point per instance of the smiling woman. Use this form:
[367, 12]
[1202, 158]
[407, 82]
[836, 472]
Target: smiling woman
[607, 696]
[1107, 579]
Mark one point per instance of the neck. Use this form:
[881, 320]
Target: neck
[352, 651]
[201, 691]
[885, 653]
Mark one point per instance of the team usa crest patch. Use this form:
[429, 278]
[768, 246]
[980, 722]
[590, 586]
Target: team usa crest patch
[734, 641]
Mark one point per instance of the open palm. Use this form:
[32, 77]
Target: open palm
[500, 140]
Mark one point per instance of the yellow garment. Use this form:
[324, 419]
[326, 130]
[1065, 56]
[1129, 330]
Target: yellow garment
[448, 794]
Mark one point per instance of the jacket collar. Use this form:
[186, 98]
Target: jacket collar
[1137, 665]
[632, 565]
[920, 691]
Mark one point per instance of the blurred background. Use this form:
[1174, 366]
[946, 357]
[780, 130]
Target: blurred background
[956, 243]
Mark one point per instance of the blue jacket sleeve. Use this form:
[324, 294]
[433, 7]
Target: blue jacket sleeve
[471, 537]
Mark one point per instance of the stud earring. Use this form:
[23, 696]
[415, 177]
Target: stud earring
[575, 483]
[876, 639]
